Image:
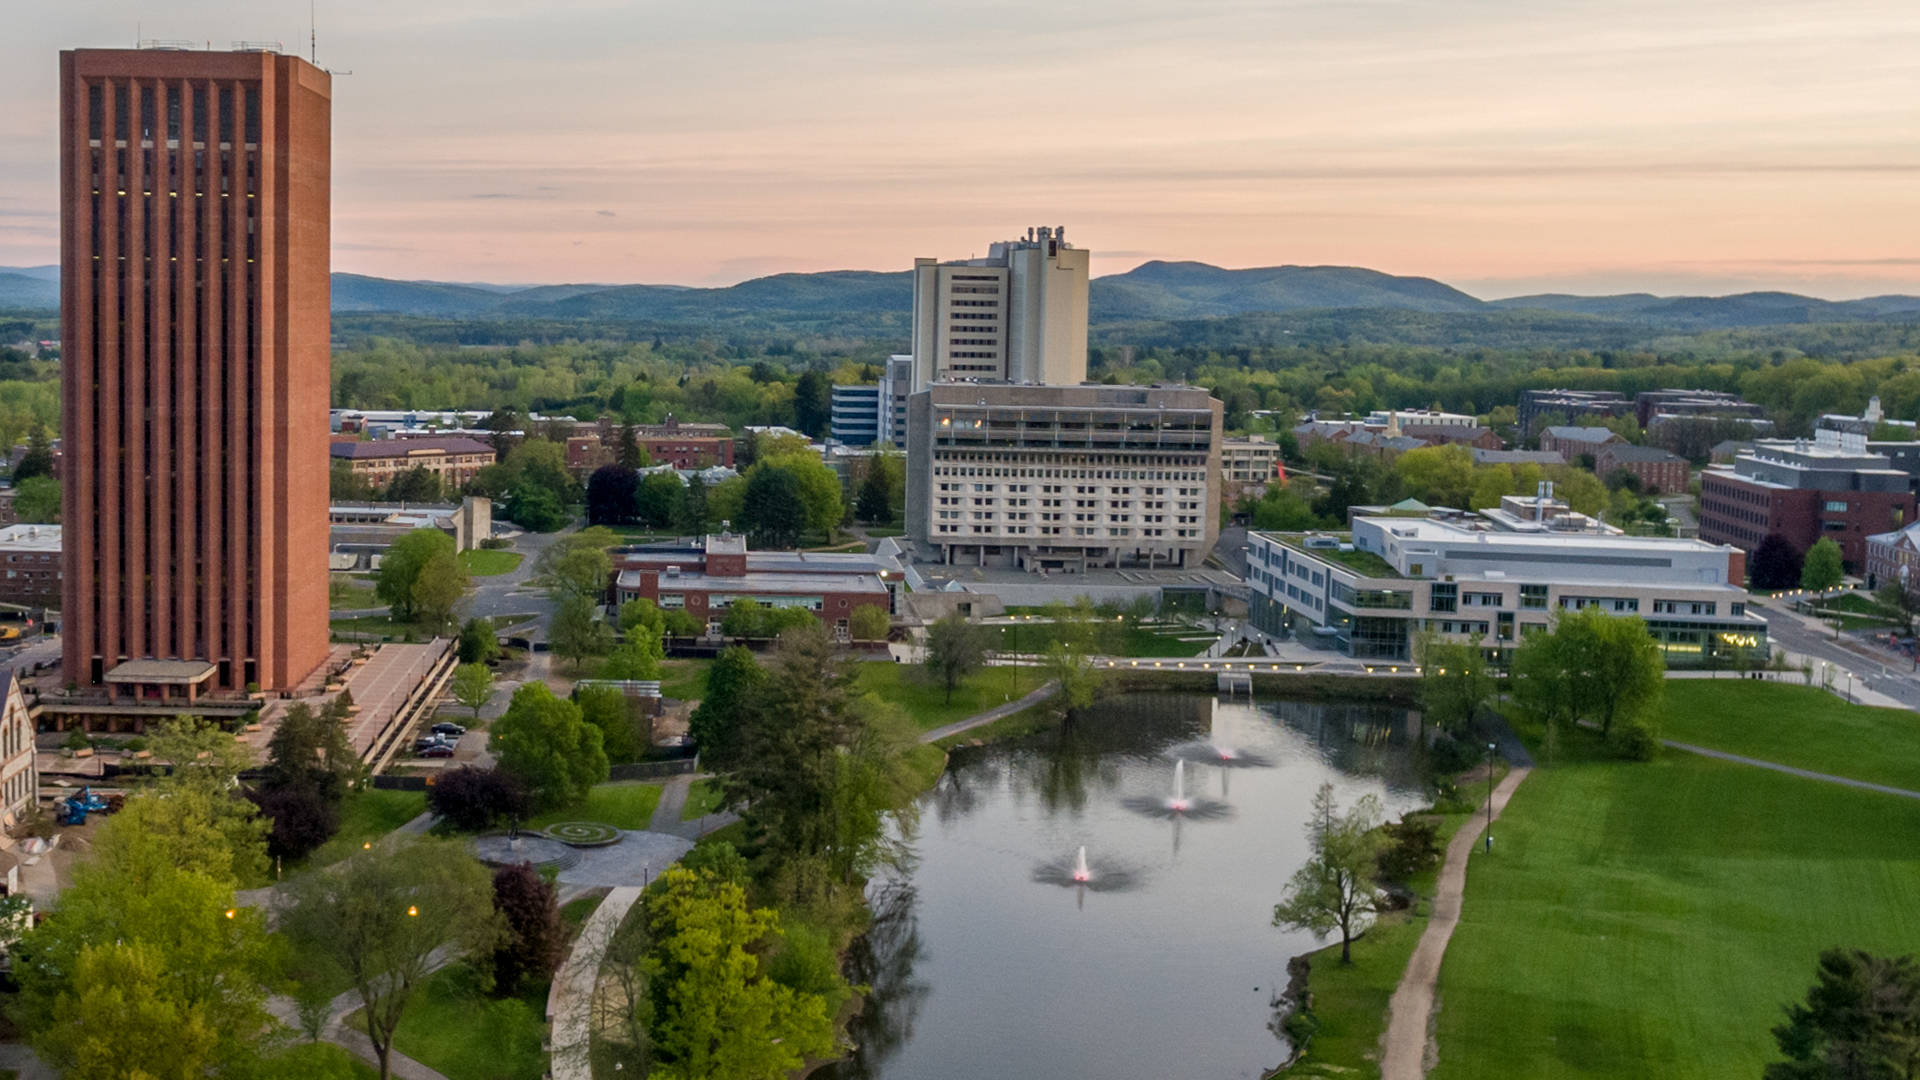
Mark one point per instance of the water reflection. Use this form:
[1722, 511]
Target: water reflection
[977, 972]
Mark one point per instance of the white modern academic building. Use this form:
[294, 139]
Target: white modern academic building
[1491, 578]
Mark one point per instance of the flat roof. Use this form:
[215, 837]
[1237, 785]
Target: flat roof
[385, 448]
[171, 672]
[780, 584]
[30, 538]
[1430, 530]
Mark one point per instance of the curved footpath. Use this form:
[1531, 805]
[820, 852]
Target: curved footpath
[1408, 1013]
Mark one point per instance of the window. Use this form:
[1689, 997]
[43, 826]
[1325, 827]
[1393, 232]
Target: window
[1533, 596]
[1443, 596]
[1836, 506]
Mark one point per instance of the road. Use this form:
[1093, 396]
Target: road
[1898, 682]
[1231, 550]
[510, 593]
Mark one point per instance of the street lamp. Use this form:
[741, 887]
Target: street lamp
[1489, 798]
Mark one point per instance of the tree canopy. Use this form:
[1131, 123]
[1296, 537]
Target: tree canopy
[543, 741]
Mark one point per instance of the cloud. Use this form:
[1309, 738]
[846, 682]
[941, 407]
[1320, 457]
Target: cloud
[606, 213]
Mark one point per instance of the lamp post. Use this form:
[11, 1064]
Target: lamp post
[1489, 798]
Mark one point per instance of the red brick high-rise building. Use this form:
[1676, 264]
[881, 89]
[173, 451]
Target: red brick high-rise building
[194, 307]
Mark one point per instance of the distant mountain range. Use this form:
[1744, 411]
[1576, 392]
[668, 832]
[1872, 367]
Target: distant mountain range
[1154, 291]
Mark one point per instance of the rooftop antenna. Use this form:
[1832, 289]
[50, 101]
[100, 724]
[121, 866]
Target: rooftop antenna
[313, 37]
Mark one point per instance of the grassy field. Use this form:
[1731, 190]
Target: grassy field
[466, 1035]
[346, 593]
[1803, 726]
[1650, 920]
[1350, 1000]
[926, 702]
[305, 1059]
[376, 627]
[366, 815]
[1132, 640]
[685, 680]
[623, 804]
[485, 562]
[702, 799]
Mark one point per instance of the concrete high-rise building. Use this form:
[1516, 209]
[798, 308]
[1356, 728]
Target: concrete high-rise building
[1019, 315]
[194, 306]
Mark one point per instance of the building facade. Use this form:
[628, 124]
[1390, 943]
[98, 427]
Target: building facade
[896, 385]
[856, 414]
[1063, 478]
[1538, 408]
[19, 781]
[1248, 465]
[1831, 487]
[455, 460]
[194, 297]
[1018, 315]
[706, 580]
[1489, 581]
[1571, 442]
[1895, 557]
[1657, 470]
[32, 560]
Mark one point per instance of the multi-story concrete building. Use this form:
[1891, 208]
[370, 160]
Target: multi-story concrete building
[1381, 418]
[19, 781]
[30, 556]
[1247, 464]
[856, 414]
[1018, 315]
[1491, 579]
[454, 460]
[1657, 470]
[1051, 478]
[194, 304]
[1538, 408]
[896, 385]
[1830, 487]
[1651, 405]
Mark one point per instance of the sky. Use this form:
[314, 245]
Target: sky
[1710, 146]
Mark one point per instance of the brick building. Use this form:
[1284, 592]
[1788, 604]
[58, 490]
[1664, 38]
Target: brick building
[454, 460]
[195, 189]
[683, 446]
[1657, 470]
[1571, 442]
[1804, 491]
[1895, 556]
[30, 561]
[704, 581]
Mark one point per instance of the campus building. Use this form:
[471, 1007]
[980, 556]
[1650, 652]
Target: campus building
[1248, 465]
[19, 782]
[1658, 471]
[194, 306]
[704, 580]
[1492, 578]
[1018, 315]
[856, 414]
[1063, 478]
[1832, 486]
[30, 556]
[454, 459]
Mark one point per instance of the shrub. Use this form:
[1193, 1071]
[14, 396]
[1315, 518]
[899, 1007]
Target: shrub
[536, 940]
[77, 740]
[1637, 740]
[805, 963]
[1413, 845]
[471, 799]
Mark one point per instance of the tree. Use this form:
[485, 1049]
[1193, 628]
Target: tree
[542, 740]
[1861, 1021]
[611, 494]
[471, 799]
[577, 566]
[1775, 565]
[504, 423]
[874, 505]
[1594, 666]
[310, 750]
[642, 614]
[771, 511]
[534, 939]
[38, 460]
[1282, 509]
[36, 501]
[637, 658]
[400, 569]
[1894, 595]
[478, 644]
[733, 684]
[438, 589]
[1339, 884]
[345, 485]
[813, 404]
[574, 634]
[693, 507]
[714, 1013]
[869, 622]
[1454, 682]
[818, 486]
[956, 648]
[378, 924]
[536, 509]
[607, 708]
[418, 484]
[657, 502]
[1822, 569]
[299, 820]
[473, 686]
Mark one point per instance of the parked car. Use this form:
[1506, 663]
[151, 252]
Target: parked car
[441, 750]
[426, 741]
[448, 727]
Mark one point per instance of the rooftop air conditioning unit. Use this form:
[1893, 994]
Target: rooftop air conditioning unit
[673, 571]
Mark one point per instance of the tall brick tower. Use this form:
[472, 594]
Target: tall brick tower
[194, 312]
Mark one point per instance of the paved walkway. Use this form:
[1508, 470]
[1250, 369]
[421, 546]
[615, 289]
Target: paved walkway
[1808, 774]
[673, 802]
[1405, 1041]
[570, 1000]
[1038, 695]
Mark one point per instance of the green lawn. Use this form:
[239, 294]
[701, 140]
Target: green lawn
[367, 815]
[302, 1059]
[487, 562]
[452, 1027]
[926, 702]
[684, 680]
[1350, 1000]
[1132, 639]
[376, 627]
[1650, 920]
[576, 911]
[1803, 726]
[623, 804]
[345, 593]
[702, 799]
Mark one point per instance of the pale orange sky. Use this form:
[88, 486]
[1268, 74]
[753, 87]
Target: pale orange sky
[1502, 147]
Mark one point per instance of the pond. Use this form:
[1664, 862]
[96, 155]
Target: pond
[1001, 953]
